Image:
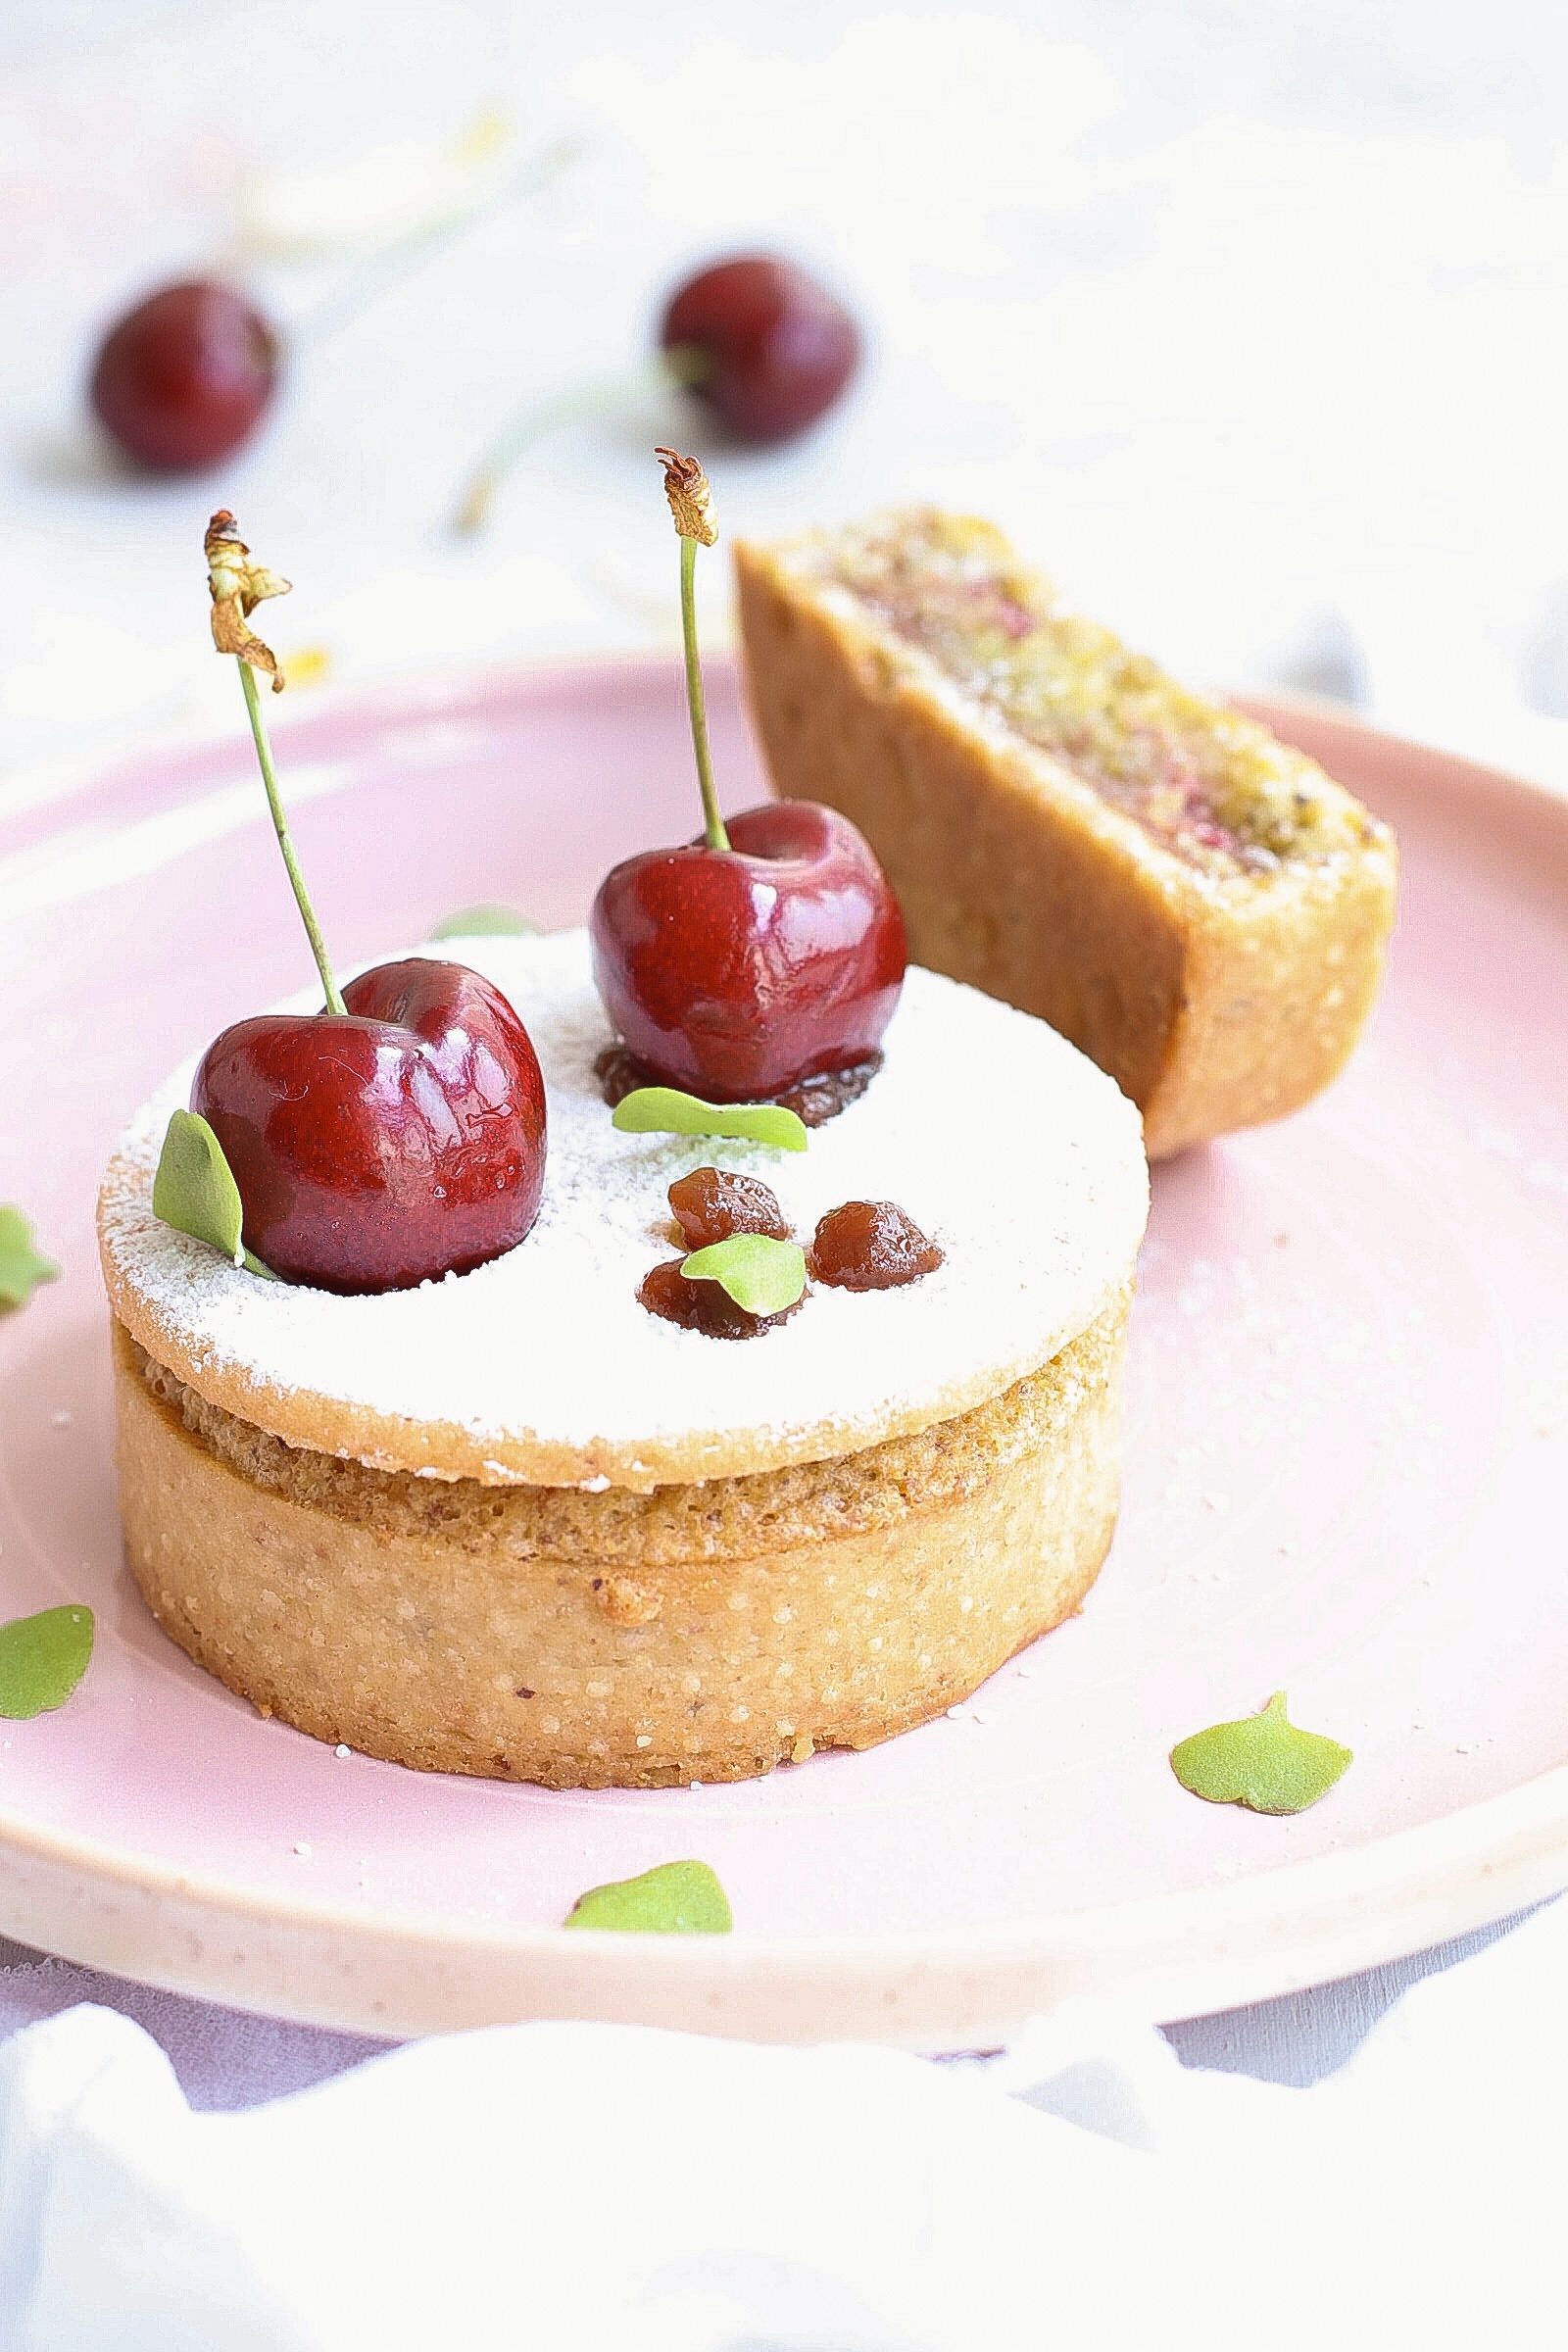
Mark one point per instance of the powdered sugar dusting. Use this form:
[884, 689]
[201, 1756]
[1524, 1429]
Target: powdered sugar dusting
[1000, 1139]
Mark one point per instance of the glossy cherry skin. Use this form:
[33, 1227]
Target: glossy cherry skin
[388, 1145]
[183, 378]
[777, 349]
[735, 973]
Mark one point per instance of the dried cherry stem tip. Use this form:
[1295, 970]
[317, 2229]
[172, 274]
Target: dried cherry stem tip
[686, 488]
[237, 585]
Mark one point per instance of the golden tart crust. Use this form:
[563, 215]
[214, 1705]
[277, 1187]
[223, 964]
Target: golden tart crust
[579, 1640]
[1197, 906]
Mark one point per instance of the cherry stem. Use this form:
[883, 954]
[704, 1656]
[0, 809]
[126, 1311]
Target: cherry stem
[712, 822]
[685, 365]
[302, 897]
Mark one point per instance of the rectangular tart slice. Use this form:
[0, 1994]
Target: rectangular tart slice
[1197, 906]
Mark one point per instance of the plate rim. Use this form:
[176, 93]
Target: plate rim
[1181, 1952]
[390, 1973]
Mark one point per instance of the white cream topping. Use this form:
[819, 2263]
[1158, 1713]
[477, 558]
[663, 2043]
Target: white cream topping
[1000, 1139]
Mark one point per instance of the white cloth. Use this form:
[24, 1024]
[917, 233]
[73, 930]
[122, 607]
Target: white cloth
[590, 2188]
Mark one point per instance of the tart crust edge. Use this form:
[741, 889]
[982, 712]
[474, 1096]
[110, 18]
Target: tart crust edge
[1213, 1006]
[426, 1650]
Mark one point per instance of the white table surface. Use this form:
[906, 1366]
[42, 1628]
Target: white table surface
[1247, 320]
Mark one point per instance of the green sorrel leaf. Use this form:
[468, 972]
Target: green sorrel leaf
[42, 1659]
[761, 1275]
[1263, 1762]
[678, 1899]
[21, 1269]
[665, 1110]
[488, 920]
[195, 1192]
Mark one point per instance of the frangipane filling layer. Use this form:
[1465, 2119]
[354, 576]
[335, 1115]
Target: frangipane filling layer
[1208, 785]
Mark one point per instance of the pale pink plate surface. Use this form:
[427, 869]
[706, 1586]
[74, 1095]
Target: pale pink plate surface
[1347, 1456]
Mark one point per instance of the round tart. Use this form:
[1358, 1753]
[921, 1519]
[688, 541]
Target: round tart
[511, 1523]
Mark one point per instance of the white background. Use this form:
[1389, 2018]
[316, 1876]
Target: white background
[1247, 317]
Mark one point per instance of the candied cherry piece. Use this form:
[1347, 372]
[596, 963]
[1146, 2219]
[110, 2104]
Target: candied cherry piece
[871, 1246]
[711, 1204]
[765, 346]
[181, 380]
[705, 1307]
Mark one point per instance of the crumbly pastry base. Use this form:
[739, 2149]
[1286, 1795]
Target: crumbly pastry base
[704, 1632]
[1215, 1005]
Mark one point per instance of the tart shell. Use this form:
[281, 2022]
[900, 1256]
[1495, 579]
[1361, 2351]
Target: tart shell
[1213, 1004]
[700, 1632]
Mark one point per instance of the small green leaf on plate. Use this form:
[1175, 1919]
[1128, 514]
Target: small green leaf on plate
[761, 1275]
[195, 1192]
[1263, 1762]
[489, 920]
[665, 1110]
[678, 1899]
[21, 1269]
[42, 1659]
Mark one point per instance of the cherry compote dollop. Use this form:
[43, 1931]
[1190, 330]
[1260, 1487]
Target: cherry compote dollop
[705, 1307]
[815, 1101]
[871, 1246]
[711, 1204]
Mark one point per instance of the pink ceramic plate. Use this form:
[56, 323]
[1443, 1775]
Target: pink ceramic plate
[1346, 1463]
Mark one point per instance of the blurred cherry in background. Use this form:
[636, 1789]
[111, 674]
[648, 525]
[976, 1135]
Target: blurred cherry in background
[183, 378]
[768, 348]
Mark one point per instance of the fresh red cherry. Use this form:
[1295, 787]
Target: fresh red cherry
[184, 377]
[769, 952]
[386, 1146]
[735, 973]
[395, 1137]
[763, 344]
